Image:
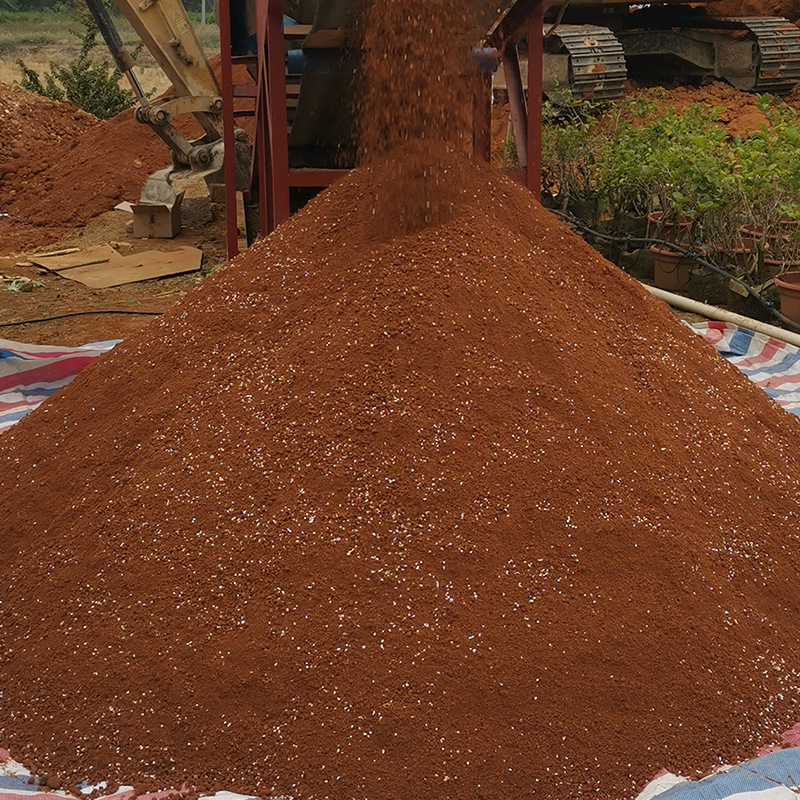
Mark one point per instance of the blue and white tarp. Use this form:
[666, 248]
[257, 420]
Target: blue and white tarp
[775, 776]
[30, 373]
[768, 777]
[770, 363]
[16, 783]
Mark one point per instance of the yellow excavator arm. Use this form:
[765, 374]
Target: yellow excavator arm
[166, 31]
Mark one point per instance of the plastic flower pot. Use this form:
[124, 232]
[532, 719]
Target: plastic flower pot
[633, 225]
[774, 267]
[789, 288]
[742, 257]
[670, 270]
[669, 231]
[749, 234]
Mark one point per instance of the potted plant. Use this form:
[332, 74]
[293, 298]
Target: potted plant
[570, 140]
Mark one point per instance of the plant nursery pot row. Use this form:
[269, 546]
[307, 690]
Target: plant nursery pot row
[788, 230]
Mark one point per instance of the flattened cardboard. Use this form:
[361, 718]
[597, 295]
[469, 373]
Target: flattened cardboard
[103, 253]
[136, 267]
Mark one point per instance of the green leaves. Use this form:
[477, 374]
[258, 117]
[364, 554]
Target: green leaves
[89, 84]
[643, 155]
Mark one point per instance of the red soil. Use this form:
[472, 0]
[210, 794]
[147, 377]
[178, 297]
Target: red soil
[57, 184]
[465, 512]
[740, 112]
[29, 123]
[790, 9]
[456, 513]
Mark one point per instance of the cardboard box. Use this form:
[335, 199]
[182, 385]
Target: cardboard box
[157, 221]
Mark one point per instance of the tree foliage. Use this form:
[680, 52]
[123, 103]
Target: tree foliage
[90, 84]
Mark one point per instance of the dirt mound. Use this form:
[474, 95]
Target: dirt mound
[63, 183]
[79, 178]
[465, 511]
[29, 122]
[789, 9]
[740, 112]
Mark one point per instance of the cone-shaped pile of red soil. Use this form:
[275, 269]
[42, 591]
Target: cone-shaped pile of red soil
[458, 514]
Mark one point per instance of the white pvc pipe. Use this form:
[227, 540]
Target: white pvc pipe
[712, 312]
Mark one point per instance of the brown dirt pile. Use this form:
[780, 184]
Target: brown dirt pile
[29, 122]
[740, 112]
[465, 512]
[82, 177]
[50, 189]
[426, 511]
[790, 9]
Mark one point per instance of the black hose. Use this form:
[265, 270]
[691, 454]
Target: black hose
[627, 239]
[80, 314]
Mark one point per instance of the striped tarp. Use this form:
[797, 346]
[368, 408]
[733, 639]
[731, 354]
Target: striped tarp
[775, 776]
[30, 373]
[769, 363]
[16, 783]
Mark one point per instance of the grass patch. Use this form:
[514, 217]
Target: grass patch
[23, 32]
[42, 37]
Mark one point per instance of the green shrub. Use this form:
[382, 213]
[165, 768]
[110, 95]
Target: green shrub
[642, 155]
[90, 84]
[571, 139]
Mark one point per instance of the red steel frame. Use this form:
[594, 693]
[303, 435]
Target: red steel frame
[271, 177]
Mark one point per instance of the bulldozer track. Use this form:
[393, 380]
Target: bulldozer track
[597, 61]
[779, 52]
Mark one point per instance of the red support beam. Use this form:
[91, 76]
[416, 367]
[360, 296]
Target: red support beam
[535, 89]
[271, 176]
[516, 101]
[260, 179]
[278, 126]
[226, 75]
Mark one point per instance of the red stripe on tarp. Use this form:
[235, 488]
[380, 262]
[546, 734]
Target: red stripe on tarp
[712, 337]
[25, 354]
[776, 381]
[771, 347]
[165, 794]
[47, 373]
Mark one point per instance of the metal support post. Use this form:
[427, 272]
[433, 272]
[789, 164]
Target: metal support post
[278, 126]
[226, 70]
[535, 89]
[516, 101]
